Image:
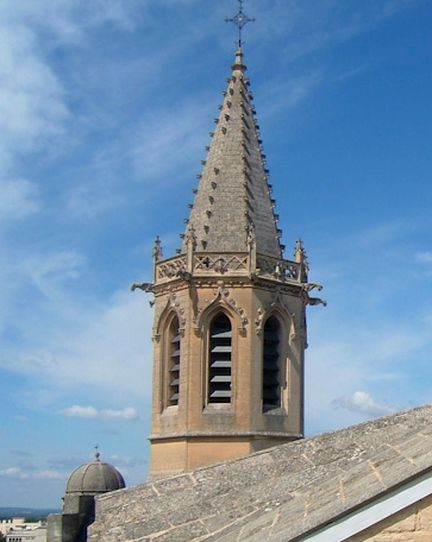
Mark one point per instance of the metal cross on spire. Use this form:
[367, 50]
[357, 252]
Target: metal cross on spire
[240, 20]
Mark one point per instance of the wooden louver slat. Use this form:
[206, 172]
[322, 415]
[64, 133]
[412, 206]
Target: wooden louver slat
[220, 364]
[271, 365]
[173, 375]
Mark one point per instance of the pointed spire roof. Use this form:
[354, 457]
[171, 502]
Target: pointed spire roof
[233, 201]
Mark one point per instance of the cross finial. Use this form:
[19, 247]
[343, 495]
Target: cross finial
[240, 20]
[97, 453]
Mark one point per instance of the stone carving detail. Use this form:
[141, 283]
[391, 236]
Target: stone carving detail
[216, 263]
[171, 304]
[301, 255]
[278, 303]
[259, 320]
[220, 263]
[170, 268]
[250, 236]
[277, 268]
[204, 263]
[157, 250]
[190, 237]
[223, 296]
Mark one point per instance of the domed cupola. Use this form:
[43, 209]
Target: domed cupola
[94, 478]
[84, 484]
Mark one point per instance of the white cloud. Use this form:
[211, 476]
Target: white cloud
[361, 354]
[36, 277]
[424, 257]
[128, 413]
[126, 462]
[48, 271]
[68, 20]
[287, 94]
[108, 346]
[159, 138]
[68, 463]
[398, 342]
[21, 418]
[34, 112]
[32, 107]
[362, 402]
[77, 411]
[90, 199]
[19, 198]
[382, 234]
[14, 472]
[21, 474]
[48, 475]
[104, 344]
[315, 26]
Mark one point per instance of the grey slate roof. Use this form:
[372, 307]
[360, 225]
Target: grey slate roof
[233, 191]
[279, 494]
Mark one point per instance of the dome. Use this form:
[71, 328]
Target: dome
[93, 478]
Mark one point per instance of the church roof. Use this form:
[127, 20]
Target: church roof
[281, 494]
[234, 196]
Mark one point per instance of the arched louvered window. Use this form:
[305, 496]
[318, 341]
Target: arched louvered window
[271, 365]
[173, 363]
[220, 360]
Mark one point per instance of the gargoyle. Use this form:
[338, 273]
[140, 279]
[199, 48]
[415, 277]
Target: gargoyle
[144, 286]
[316, 301]
[185, 275]
[311, 286]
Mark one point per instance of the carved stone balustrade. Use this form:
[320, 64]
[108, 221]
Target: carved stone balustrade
[170, 269]
[219, 264]
[279, 269]
[215, 264]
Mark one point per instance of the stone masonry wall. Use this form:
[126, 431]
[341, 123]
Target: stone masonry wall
[413, 524]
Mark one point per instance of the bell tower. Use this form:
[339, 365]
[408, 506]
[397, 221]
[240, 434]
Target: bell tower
[229, 325]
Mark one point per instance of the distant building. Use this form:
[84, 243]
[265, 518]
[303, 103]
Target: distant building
[17, 524]
[23, 532]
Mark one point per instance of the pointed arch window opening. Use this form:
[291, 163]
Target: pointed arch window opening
[220, 360]
[173, 363]
[271, 369]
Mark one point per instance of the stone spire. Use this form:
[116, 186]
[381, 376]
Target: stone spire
[234, 196]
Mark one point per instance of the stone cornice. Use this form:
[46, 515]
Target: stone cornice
[226, 434]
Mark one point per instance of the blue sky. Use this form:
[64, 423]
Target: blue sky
[105, 109]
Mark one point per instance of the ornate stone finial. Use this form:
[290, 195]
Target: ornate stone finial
[300, 254]
[251, 246]
[191, 244]
[157, 249]
[97, 453]
[250, 236]
[240, 20]
[190, 237]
